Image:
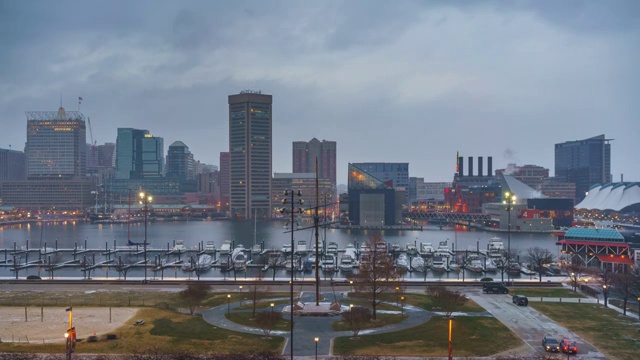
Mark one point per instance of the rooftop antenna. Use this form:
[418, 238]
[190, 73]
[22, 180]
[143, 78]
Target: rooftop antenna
[79, 102]
[60, 98]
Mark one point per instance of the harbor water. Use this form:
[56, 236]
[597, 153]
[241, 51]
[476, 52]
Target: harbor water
[94, 241]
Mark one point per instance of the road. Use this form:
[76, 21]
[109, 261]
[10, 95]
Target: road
[529, 324]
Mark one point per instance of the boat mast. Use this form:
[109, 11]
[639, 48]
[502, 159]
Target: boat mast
[129, 218]
[316, 219]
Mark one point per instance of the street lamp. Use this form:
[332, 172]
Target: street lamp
[402, 305]
[573, 281]
[638, 307]
[351, 283]
[145, 199]
[509, 200]
[272, 305]
[450, 342]
[293, 211]
[605, 292]
[70, 335]
[316, 340]
[228, 303]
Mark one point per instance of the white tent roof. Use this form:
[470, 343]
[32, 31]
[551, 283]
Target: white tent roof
[615, 196]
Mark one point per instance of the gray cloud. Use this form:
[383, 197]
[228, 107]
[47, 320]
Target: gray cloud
[410, 82]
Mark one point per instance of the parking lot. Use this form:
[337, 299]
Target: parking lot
[529, 324]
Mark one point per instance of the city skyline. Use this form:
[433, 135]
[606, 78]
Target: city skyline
[405, 82]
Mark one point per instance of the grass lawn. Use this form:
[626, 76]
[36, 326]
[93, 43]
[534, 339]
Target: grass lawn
[382, 320]
[244, 318]
[612, 333]
[424, 301]
[472, 336]
[109, 297]
[557, 292]
[165, 331]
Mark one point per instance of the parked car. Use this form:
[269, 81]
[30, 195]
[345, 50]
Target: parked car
[520, 300]
[494, 288]
[568, 346]
[549, 343]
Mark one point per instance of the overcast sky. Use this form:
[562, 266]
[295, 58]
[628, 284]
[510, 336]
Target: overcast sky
[390, 81]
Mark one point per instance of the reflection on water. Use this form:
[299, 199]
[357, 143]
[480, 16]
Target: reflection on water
[195, 234]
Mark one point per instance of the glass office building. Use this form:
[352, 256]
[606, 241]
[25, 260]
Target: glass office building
[139, 155]
[250, 154]
[584, 163]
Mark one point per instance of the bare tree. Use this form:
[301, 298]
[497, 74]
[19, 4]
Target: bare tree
[605, 276]
[267, 320]
[123, 265]
[52, 263]
[357, 317]
[575, 268]
[255, 289]
[539, 257]
[502, 266]
[446, 300]
[627, 283]
[377, 276]
[193, 295]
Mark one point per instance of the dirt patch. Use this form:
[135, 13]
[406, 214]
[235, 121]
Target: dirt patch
[50, 323]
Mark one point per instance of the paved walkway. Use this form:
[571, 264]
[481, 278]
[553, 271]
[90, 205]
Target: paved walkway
[309, 327]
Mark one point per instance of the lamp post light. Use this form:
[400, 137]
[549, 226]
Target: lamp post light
[605, 292]
[272, 305]
[638, 307]
[351, 283]
[293, 211]
[228, 303]
[450, 342]
[509, 200]
[145, 199]
[351, 316]
[402, 305]
[316, 341]
[573, 281]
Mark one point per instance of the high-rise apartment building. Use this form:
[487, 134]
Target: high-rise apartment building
[139, 155]
[12, 165]
[250, 151]
[306, 153]
[56, 145]
[224, 181]
[584, 162]
[180, 163]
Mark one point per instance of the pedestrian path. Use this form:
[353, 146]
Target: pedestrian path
[307, 328]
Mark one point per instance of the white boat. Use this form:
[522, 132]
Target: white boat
[346, 263]
[225, 249]
[418, 264]
[381, 247]
[495, 248]
[301, 247]
[187, 265]
[256, 249]
[443, 249]
[238, 258]
[364, 248]
[439, 264]
[411, 249]
[426, 249]
[179, 246]
[402, 262]
[453, 264]
[395, 247]
[286, 248]
[474, 264]
[490, 265]
[332, 248]
[210, 247]
[204, 263]
[329, 263]
[320, 248]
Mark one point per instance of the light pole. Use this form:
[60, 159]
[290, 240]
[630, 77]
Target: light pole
[272, 305]
[573, 281]
[450, 342]
[228, 304]
[509, 200]
[605, 292]
[70, 335]
[316, 340]
[145, 199]
[638, 307]
[293, 210]
[351, 283]
[402, 305]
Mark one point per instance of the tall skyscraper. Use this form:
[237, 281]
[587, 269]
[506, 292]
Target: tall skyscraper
[180, 163]
[584, 162]
[305, 154]
[139, 155]
[224, 181]
[56, 145]
[250, 151]
[12, 165]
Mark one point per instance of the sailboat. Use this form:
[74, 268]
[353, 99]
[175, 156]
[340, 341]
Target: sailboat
[256, 248]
